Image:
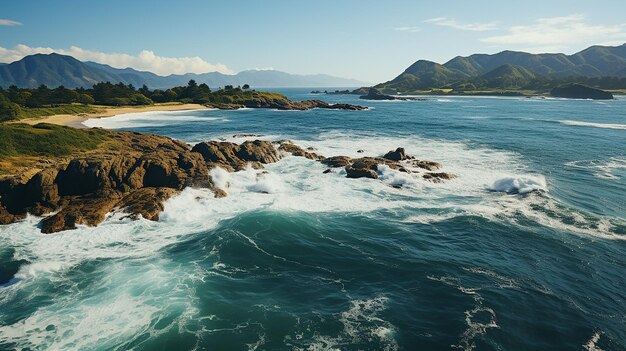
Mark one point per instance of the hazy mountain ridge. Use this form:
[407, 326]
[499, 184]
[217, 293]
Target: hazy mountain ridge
[54, 70]
[510, 69]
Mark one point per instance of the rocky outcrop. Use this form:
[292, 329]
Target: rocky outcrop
[374, 94]
[362, 168]
[137, 173]
[579, 91]
[284, 104]
[368, 167]
[429, 165]
[298, 151]
[136, 179]
[337, 161]
[398, 155]
[233, 157]
[438, 177]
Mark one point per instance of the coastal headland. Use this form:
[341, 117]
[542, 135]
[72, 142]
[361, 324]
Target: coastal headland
[94, 172]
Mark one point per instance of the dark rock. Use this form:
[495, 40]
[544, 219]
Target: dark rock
[247, 135]
[429, 165]
[222, 154]
[337, 161]
[8, 218]
[141, 172]
[282, 103]
[219, 193]
[235, 157]
[344, 107]
[136, 178]
[352, 172]
[298, 151]
[363, 168]
[374, 94]
[398, 155]
[328, 171]
[259, 151]
[147, 202]
[365, 163]
[87, 210]
[438, 177]
[579, 91]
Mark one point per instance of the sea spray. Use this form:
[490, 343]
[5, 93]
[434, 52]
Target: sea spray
[520, 184]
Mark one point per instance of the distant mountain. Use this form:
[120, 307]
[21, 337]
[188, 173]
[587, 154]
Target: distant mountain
[54, 70]
[425, 74]
[506, 77]
[509, 69]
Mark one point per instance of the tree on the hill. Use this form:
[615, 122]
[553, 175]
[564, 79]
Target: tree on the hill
[8, 109]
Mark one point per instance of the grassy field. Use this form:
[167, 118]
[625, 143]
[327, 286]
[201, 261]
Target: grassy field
[620, 91]
[17, 139]
[69, 109]
[22, 145]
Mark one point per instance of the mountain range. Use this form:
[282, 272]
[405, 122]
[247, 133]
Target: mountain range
[510, 69]
[55, 70]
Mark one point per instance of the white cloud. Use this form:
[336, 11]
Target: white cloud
[559, 33]
[8, 22]
[452, 23]
[408, 29]
[144, 61]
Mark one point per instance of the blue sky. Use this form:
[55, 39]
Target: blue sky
[368, 40]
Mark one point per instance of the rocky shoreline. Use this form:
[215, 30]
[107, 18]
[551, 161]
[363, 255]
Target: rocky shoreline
[149, 169]
[284, 104]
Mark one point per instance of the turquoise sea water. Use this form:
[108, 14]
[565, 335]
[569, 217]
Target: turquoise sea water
[300, 260]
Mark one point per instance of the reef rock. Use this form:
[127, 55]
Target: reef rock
[398, 155]
[136, 173]
[298, 151]
[233, 157]
[579, 91]
[438, 177]
[137, 177]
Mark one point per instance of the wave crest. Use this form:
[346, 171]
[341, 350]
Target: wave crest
[521, 184]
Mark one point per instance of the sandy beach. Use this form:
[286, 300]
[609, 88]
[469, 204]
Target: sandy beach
[76, 120]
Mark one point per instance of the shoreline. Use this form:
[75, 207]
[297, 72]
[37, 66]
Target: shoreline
[76, 120]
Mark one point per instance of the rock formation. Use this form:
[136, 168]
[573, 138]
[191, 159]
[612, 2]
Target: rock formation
[141, 171]
[368, 167]
[138, 179]
[579, 91]
[374, 94]
[284, 104]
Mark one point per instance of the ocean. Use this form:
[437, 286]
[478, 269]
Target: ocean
[525, 250]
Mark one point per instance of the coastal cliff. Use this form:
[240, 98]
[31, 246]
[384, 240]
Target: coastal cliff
[136, 173]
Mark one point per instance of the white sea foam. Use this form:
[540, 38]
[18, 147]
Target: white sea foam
[522, 184]
[362, 324]
[591, 344]
[220, 177]
[604, 169]
[478, 319]
[148, 119]
[394, 177]
[592, 124]
[134, 303]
